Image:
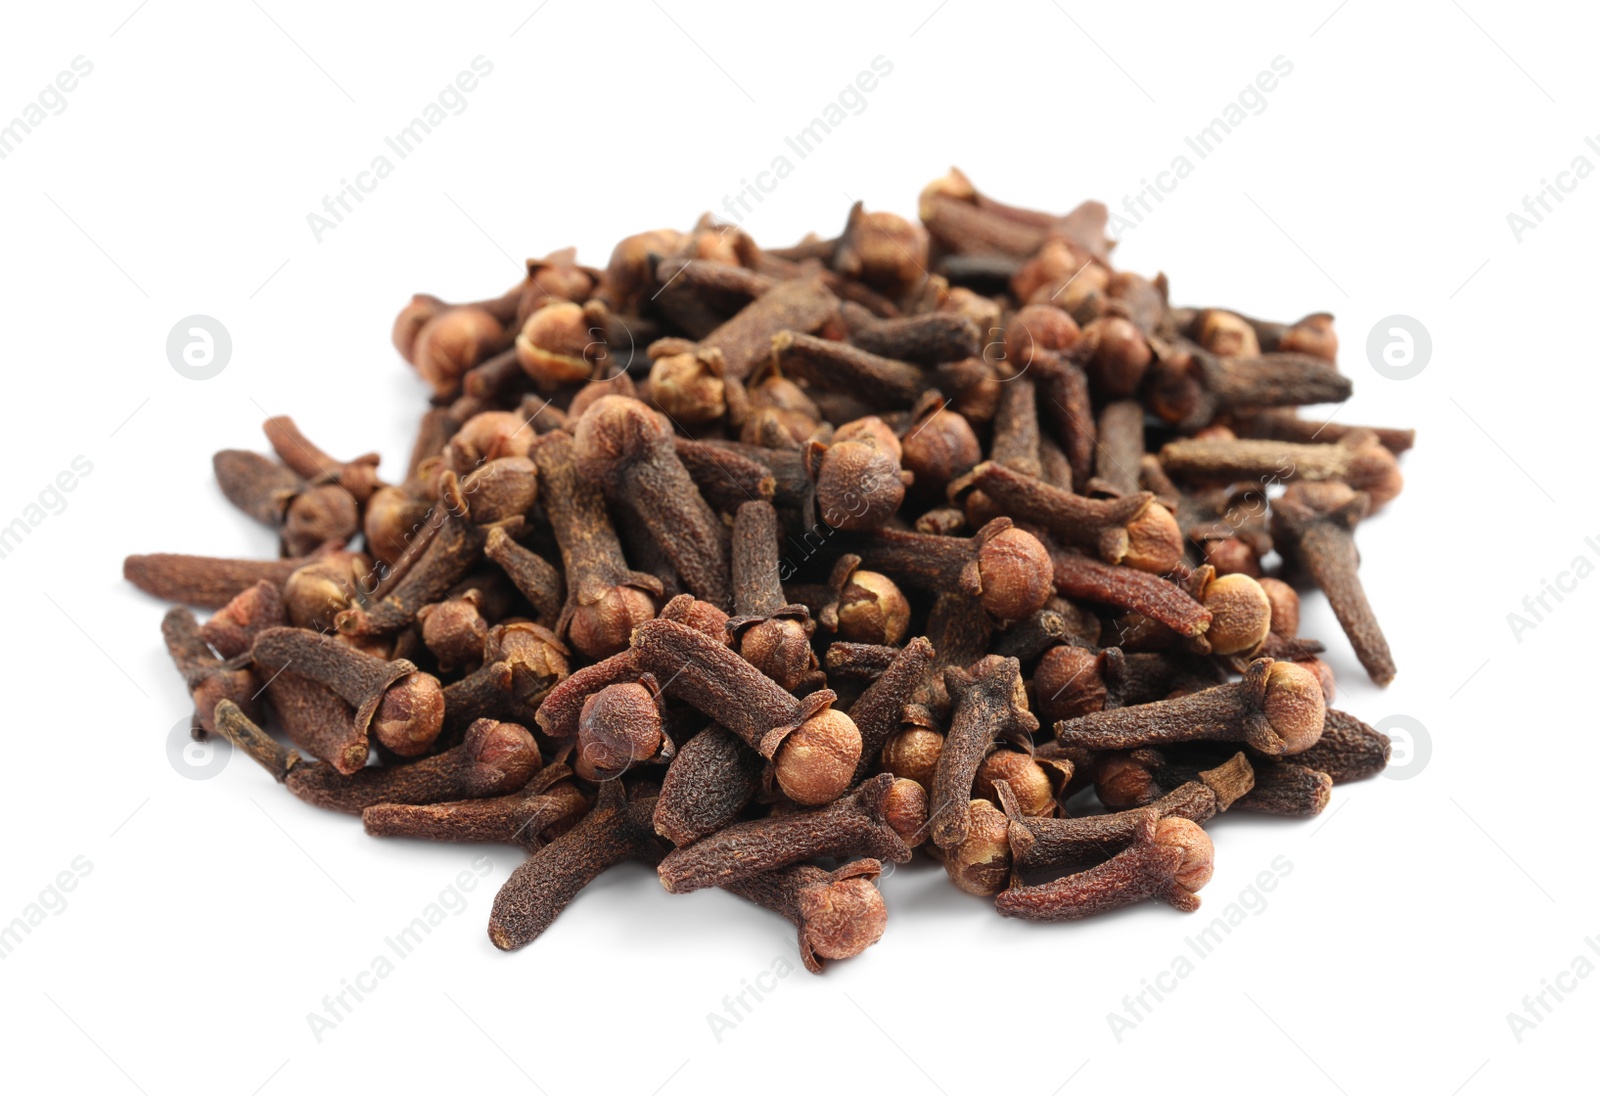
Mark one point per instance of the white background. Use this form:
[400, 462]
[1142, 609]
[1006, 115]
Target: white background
[218, 913]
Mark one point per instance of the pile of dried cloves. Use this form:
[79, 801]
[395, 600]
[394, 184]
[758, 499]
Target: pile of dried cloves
[768, 566]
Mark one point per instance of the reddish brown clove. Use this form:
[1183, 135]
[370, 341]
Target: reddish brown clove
[1171, 860]
[840, 914]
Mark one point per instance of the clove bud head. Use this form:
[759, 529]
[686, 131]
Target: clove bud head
[1294, 705]
[451, 343]
[817, 760]
[1155, 543]
[487, 436]
[905, 808]
[843, 918]
[1030, 783]
[1068, 683]
[1241, 614]
[872, 609]
[1122, 781]
[689, 386]
[600, 628]
[1285, 604]
[913, 754]
[779, 647]
[617, 430]
[981, 864]
[620, 726]
[410, 715]
[504, 758]
[552, 343]
[1195, 869]
[859, 483]
[1015, 576]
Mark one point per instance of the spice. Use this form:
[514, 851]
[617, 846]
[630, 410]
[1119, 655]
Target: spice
[850, 827]
[629, 450]
[990, 707]
[767, 567]
[1316, 525]
[616, 829]
[1170, 860]
[840, 914]
[772, 635]
[813, 749]
[1004, 568]
[403, 707]
[1277, 708]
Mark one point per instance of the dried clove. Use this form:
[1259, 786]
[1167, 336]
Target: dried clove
[852, 826]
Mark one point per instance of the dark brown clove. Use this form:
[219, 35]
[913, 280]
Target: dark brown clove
[616, 829]
[1277, 708]
[496, 758]
[628, 448]
[849, 827]
[773, 635]
[1134, 530]
[813, 748]
[1315, 526]
[403, 707]
[209, 678]
[990, 707]
[605, 599]
[548, 802]
[713, 778]
[306, 516]
[358, 477]
[1004, 568]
